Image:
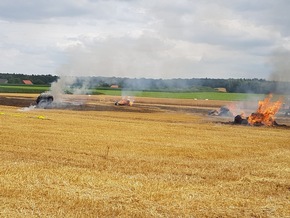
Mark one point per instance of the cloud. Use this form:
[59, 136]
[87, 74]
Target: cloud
[138, 38]
[40, 9]
[151, 56]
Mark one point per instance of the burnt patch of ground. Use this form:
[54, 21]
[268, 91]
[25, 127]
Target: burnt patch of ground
[141, 105]
[16, 101]
[107, 103]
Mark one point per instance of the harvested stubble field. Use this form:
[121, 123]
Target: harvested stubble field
[149, 160]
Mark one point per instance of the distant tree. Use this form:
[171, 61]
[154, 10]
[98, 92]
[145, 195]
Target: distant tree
[15, 80]
[231, 85]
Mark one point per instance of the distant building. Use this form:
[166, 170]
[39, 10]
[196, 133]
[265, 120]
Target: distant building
[3, 81]
[27, 82]
[114, 86]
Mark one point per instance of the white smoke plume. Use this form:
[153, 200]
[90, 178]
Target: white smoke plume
[66, 86]
[59, 88]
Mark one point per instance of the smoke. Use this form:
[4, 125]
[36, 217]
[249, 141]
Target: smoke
[60, 87]
[281, 65]
[63, 88]
[247, 106]
[280, 72]
[70, 85]
[25, 109]
[132, 55]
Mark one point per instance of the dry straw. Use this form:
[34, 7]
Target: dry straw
[128, 164]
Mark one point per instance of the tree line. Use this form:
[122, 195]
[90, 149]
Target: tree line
[260, 86]
[13, 78]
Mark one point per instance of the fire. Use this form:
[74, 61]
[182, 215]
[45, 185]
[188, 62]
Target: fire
[125, 101]
[265, 112]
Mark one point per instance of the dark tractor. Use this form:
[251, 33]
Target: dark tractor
[44, 100]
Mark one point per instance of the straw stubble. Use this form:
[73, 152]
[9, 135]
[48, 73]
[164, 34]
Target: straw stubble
[106, 164]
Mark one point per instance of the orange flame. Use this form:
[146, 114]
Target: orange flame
[265, 112]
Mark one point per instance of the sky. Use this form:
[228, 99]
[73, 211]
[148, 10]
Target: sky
[146, 38]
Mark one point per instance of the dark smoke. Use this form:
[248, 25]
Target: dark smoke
[281, 65]
[280, 74]
[280, 61]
